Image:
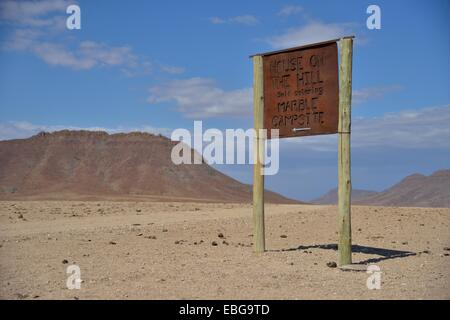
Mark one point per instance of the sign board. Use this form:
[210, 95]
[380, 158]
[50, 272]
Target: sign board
[301, 90]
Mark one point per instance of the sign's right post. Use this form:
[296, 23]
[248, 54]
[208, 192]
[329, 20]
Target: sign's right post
[258, 153]
[344, 174]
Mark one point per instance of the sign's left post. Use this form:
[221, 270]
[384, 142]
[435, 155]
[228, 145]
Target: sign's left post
[258, 154]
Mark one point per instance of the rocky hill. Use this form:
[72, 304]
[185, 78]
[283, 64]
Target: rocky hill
[416, 190]
[91, 164]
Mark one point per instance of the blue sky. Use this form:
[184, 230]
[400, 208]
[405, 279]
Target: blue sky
[159, 65]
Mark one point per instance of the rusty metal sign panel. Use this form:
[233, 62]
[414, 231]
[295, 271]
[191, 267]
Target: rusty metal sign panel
[301, 91]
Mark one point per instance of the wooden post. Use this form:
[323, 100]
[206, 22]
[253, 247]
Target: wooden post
[258, 154]
[344, 183]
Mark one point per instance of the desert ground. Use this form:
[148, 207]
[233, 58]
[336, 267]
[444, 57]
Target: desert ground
[188, 250]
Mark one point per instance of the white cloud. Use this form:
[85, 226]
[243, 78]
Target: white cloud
[217, 20]
[312, 32]
[39, 28]
[22, 39]
[57, 55]
[85, 55]
[362, 95]
[107, 55]
[199, 97]
[289, 10]
[411, 129]
[172, 69]
[423, 128]
[246, 19]
[24, 129]
[32, 13]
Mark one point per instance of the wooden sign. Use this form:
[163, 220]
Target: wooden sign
[301, 90]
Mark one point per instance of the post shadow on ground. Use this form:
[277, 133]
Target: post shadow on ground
[385, 254]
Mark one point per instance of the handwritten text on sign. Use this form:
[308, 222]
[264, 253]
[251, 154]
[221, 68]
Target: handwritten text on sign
[301, 91]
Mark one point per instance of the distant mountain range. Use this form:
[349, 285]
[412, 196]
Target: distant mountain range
[96, 165]
[416, 190]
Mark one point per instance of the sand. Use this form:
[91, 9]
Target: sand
[164, 250]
